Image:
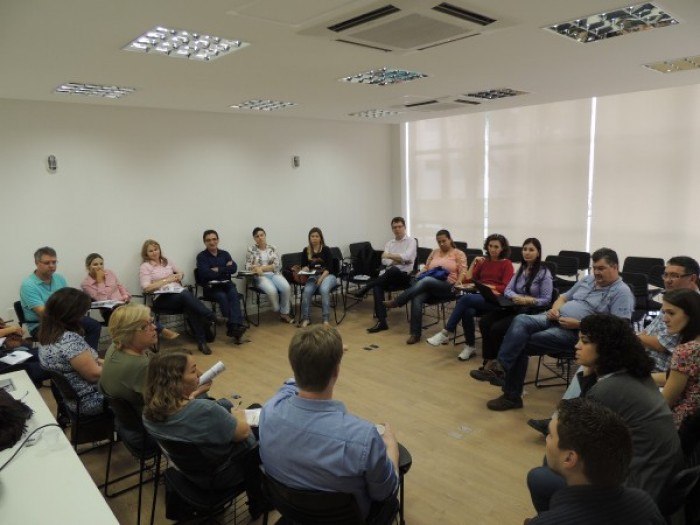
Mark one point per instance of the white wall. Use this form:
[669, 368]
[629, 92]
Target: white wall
[125, 175]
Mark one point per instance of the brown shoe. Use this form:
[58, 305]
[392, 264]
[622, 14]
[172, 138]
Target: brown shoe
[503, 403]
[413, 340]
[390, 304]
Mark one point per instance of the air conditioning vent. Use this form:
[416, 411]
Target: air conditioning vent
[470, 102]
[364, 18]
[423, 103]
[363, 45]
[469, 16]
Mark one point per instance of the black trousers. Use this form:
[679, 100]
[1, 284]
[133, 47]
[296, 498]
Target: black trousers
[391, 279]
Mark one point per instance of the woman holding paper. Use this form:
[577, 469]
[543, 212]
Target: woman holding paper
[161, 277]
[102, 284]
[173, 412]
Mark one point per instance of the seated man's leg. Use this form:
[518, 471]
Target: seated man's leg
[518, 336]
[543, 482]
[92, 331]
[392, 277]
[554, 341]
[234, 302]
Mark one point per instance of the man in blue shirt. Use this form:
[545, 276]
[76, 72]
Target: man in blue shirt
[38, 287]
[309, 441]
[556, 331]
[214, 270]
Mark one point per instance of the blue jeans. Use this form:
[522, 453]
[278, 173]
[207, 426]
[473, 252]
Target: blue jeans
[530, 335]
[228, 300]
[198, 314]
[272, 285]
[324, 289]
[418, 294]
[543, 482]
[466, 308]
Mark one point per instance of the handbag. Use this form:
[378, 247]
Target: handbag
[296, 278]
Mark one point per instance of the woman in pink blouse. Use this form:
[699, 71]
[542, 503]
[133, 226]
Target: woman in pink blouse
[681, 311]
[162, 278]
[452, 261]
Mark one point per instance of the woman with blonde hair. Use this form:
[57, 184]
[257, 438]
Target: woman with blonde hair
[162, 277]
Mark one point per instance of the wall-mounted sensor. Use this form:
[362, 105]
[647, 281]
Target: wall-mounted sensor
[296, 162]
[52, 163]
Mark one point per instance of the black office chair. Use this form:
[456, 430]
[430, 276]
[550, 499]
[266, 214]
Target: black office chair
[677, 492]
[639, 284]
[83, 428]
[516, 254]
[137, 441]
[19, 312]
[364, 264]
[472, 253]
[641, 264]
[567, 267]
[191, 483]
[311, 507]
[583, 258]
[288, 261]
[461, 245]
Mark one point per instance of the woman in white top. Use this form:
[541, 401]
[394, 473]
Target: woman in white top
[263, 260]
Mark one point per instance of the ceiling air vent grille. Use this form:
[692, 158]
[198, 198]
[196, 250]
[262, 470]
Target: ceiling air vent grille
[362, 45]
[364, 18]
[422, 103]
[458, 12]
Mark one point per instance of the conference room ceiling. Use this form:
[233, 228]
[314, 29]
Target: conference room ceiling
[293, 57]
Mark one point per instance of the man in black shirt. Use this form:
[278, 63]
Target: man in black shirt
[590, 447]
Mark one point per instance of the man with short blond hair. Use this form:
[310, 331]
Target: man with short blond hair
[309, 441]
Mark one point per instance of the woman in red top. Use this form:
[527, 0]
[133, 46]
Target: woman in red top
[495, 271]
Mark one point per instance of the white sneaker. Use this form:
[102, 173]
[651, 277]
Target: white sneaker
[438, 339]
[466, 353]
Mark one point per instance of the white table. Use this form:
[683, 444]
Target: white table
[47, 482]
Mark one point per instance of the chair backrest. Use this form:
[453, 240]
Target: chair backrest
[472, 253]
[355, 247]
[461, 245]
[127, 415]
[656, 276]
[516, 254]
[312, 507]
[583, 258]
[290, 259]
[337, 260]
[422, 255]
[66, 390]
[552, 267]
[567, 266]
[638, 283]
[677, 491]
[641, 264]
[19, 312]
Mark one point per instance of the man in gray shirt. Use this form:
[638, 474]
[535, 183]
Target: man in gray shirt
[555, 331]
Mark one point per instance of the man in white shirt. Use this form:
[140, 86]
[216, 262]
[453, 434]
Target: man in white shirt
[398, 256]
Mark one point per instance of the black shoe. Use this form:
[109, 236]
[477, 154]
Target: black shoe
[379, 327]
[209, 334]
[503, 403]
[541, 425]
[204, 348]
[230, 330]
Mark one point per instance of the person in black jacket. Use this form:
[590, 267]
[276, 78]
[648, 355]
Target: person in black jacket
[317, 258]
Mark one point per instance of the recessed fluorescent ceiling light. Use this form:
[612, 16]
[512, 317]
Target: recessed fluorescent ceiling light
[180, 43]
[263, 105]
[493, 94]
[621, 21]
[374, 113]
[383, 77]
[93, 90]
[675, 65]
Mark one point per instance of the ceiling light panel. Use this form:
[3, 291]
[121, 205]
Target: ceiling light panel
[263, 105]
[632, 19]
[676, 65]
[493, 94]
[383, 77]
[375, 113]
[180, 43]
[93, 90]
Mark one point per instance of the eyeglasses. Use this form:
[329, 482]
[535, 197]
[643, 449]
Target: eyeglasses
[674, 276]
[151, 323]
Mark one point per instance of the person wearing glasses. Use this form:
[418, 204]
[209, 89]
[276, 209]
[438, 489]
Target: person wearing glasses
[681, 273]
[38, 287]
[397, 257]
